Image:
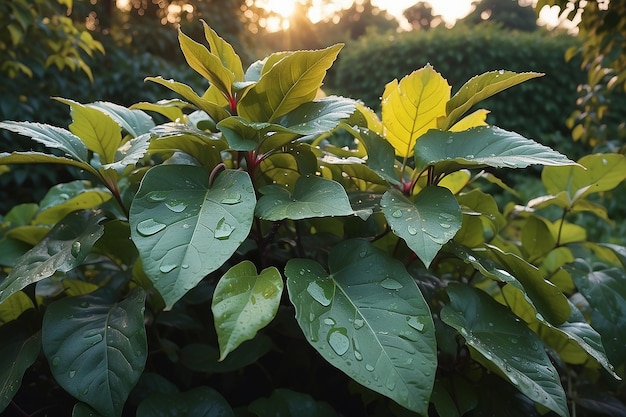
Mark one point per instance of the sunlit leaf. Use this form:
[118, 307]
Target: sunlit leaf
[96, 348]
[52, 137]
[411, 107]
[480, 147]
[380, 153]
[64, 248]
[291, 82]
[503, 344]
[243, 303]
[319, 116]
[475, 119]
[185, 228]
[224, 51]
[133, 121]
[312, 197]
[171, 109]
[14, 306]
[479, 88]
[368, 318]
[425, 221]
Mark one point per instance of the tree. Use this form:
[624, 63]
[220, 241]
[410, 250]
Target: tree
[421, 16]
[362, 16]
[508, 13]
[602, 28]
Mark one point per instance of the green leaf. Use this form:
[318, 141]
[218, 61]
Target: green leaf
[215, 111]
[63, 249]
[380, 153]
[503, 344]
[312, 197]
[129, 153]
[171, 109]
[43, 158]
[133, 121]
[596, 173]
[481, 147]
[14, 306]
[224, 51]
[185, 229]
[319, 116]
[368, 318]
[18, 351]
[291, 82]
[62, 199]
[97, 130]
[83, 410]
[96, 348]
[243, 303]
[205, 358]
[287, 403]
[200, 401]
[479, 88]
[52, 137]
[425, 222]
[208, 65]
[241, 134]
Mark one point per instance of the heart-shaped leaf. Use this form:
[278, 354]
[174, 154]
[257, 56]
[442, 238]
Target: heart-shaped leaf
[96, 348]
[185, 229]
[503, 344]
[368, 318]
[426, 221]
[63, 249]
[243, 303]
[312, 197]
[480, 147]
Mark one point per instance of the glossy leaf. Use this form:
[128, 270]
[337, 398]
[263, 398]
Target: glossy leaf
[172, 109]
[96, 129]
[475, 119]
[185, 229]
[481, 147]
[312, 197]
[319, 116]
[411, 107]
[241, 134]
[200, 401]
[501, 343]
[18, 351]
[243, 303]
[368, 318]
[380, 153]
[42, 158]
[63, 249]
[287, 403]
[208, 65]
[601, 172]
[291, 82]
[129, 153]
[133, 121]
[224, 51]
[68, 202]
[425, 222]
[96, 348]
[52, 137]
[479, 88]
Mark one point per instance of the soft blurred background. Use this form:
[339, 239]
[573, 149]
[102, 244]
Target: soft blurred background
[90, 50]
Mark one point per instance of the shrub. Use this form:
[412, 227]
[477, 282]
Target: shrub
[166, 281]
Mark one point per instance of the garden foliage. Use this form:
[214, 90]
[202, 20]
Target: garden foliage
[179, 257]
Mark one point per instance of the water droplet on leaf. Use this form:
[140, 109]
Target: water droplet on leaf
[318, 293]
[231, 199]
[415, 323]
[165, 267]
[176, 206]
[338, 340]
[412, 230]
[149, 227]
[391, 284]
[223, 230]
[397, 214]
[75, 251]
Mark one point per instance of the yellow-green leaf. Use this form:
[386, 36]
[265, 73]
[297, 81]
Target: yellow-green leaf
[477, 118]
[224, 51]
[292, 81]
[411, 107]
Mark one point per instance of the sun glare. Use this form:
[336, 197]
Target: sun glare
[284, 8]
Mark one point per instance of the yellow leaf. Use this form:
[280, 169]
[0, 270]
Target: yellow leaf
[411, 107]
[477, 118]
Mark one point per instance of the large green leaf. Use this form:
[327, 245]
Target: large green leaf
[286, 403]
[96, 348]
[380, 153]
[18, 351]
[63, 199]
[596, 173]
[368, 318]
[133, 121]
[480, 147]
[43, 158]
[243, 303]
[52, 137]
[503, 344]
[605, 291]
[319, 116]
[312, 197]
[208, 65]
[185, 229]
[63, 249]
[426, 221]
[200, 401]
[291, 82]
[96, 129]
[224, 51]
[479, 88]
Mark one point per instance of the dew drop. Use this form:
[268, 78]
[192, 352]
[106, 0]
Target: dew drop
[363, 253]
[444, 225]
[231, 199]
[75, 251]
[149, 227]
[165, 267]
[338, 340]
[176, 206]
[397, 214]
[358, 323]
[329, 321]
[185, 266]
[412, 230]
[357, 355]
[93, 338]
[369, 367]
[84, 304]
[391, 284]
[223, 230]
[71, 374]
[55, 361]
[157, 196]
[415, 323]
[318, 293]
